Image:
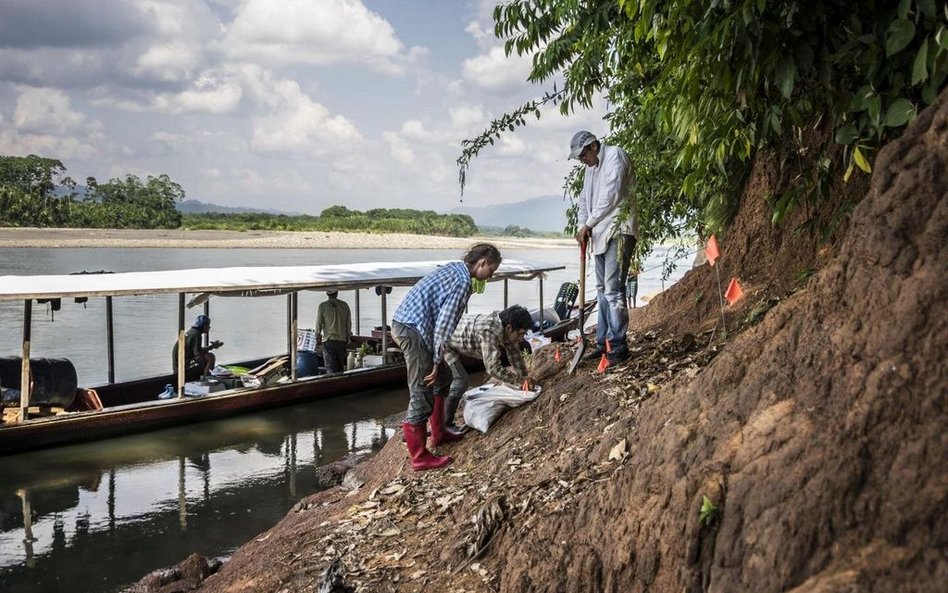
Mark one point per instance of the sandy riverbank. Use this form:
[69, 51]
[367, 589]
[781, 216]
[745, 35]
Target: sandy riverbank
[138, 238]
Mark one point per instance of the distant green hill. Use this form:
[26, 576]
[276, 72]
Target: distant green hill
[339, 218]
[199, 207]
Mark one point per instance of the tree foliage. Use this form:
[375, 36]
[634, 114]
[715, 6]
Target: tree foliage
[31, 174]
[133, 203]
[696, 89]
[340, 218]
[28, 197]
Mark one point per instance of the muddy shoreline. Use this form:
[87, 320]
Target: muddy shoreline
[16, 237]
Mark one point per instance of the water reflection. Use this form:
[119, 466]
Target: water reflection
[127, 506]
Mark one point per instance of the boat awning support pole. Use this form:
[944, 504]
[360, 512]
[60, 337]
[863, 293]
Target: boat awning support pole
[358, 317]
[110, 338]
[384, 327]
[207, 311]
[541, 302]
[181, 368]
[506, 292]
[291, 322]
[25, 363]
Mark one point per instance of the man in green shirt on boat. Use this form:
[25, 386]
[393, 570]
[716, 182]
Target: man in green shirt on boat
[333, 331]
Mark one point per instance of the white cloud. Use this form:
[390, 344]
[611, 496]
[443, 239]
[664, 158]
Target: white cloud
[216, 91]
[496, 72]
[465, 118]
[399, 148]
[177, 48]
[295, 123]
[45, 123]
[476, 30]
[213, 92]
[45, 111]
[511, 145]
[168, 62]
[167, 18]
[318, 33]
[60, 147]
[414, 129]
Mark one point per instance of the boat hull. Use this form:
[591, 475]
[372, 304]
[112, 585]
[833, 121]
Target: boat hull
[153, 414]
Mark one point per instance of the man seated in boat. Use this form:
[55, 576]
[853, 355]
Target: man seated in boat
[489, 337]
[198, 359]
[333, 331]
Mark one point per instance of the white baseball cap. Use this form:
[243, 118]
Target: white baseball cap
[580, 140]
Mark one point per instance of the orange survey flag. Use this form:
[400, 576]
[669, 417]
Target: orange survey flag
[733, 292]
[556, 353]
[603, 362]
[711, 250]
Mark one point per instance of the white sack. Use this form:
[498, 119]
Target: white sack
[485, 404]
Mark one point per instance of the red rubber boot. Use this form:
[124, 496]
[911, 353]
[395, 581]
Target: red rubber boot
[421, 458]
[439, 432]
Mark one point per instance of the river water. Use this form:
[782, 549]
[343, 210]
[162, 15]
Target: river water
[96, 517]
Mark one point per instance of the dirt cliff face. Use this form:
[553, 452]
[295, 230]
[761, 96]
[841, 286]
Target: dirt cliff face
[817, 434]
[820, 434]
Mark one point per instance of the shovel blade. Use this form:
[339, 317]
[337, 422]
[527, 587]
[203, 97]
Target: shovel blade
[580, 352]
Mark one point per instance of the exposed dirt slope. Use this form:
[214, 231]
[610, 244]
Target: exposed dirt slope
[819, 435]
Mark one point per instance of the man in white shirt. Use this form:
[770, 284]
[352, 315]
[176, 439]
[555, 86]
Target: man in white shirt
[606, 220]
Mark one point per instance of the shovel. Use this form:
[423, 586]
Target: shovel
[581, 351]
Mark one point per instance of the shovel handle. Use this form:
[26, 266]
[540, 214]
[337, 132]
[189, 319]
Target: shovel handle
[581, 350]
[582, 280]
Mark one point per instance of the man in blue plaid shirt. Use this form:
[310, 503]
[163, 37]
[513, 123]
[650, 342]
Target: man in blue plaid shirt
[422, 326]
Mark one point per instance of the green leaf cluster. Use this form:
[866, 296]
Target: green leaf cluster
[709, 512]
[28, 197]
[696, 89]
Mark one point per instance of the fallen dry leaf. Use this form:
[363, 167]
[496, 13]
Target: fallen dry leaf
[619, 452]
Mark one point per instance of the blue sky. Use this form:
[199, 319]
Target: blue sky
[288, 104]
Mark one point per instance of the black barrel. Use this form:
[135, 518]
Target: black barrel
[308, 363]
[54, 380]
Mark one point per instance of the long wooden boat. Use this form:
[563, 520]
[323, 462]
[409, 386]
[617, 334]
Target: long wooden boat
[131, 406]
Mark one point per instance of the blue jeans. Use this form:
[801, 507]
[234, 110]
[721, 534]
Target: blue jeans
[418, 361]
[612, 271]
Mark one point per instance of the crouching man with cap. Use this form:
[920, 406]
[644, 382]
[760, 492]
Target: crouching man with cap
[490, 338]
[606, 220]
[198, 359]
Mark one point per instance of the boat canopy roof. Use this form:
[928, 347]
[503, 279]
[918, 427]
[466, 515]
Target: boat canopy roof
[242, 281]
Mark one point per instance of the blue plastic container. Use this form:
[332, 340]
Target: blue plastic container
[308, 363]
